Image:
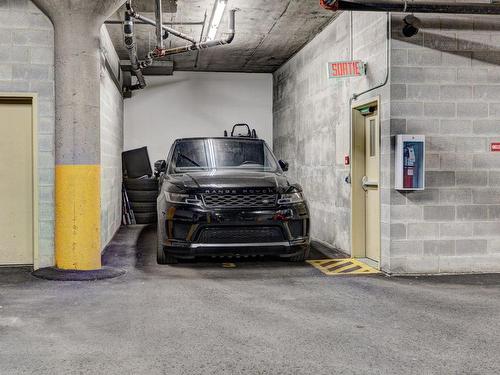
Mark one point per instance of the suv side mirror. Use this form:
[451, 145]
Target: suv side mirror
[160, 167]
[284, 165]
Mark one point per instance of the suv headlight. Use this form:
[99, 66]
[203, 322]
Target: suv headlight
[182, 198]
[291, 198]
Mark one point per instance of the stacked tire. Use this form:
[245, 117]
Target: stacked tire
[142, 194]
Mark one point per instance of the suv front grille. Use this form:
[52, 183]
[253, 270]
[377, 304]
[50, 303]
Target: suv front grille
[240, 235]
[239, 200]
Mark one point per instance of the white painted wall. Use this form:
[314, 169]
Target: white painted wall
[111, 144]
[197, 104]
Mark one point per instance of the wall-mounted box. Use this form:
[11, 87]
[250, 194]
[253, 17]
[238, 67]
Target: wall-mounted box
[410, 162]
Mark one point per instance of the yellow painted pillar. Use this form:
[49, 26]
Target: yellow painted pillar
[78, 217]
[77, 26]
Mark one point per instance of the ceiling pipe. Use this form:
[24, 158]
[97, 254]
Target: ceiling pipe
[159, 25]
[133, 13]
[159, 51]
[130, 44]
[202, 45]
[410, 7]
[117, 22]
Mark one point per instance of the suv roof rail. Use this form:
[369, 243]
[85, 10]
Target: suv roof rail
[249, 133]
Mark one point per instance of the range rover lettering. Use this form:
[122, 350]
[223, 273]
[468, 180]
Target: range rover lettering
[228, 196]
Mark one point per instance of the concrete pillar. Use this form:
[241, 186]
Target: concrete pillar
[77, 26]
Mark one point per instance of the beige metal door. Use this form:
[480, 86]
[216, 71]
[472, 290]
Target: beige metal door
[16, 183]
[370, 184]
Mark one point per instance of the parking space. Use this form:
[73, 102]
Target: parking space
[302, 139]
[144, 259]
[267, 317]
[249, 187]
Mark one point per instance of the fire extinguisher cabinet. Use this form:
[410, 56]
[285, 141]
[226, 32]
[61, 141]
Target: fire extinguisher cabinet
[410, 162]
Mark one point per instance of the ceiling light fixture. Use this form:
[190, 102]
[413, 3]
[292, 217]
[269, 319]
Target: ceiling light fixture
[218, 12]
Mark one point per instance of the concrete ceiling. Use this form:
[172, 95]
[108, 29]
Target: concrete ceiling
[268, 32]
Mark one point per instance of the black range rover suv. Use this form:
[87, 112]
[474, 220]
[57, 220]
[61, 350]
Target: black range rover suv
[228, 197]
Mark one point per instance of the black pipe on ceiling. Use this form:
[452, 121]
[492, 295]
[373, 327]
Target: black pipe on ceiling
[411, 7]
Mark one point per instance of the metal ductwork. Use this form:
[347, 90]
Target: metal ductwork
[410, 7]
[202, 45]
[129, 38]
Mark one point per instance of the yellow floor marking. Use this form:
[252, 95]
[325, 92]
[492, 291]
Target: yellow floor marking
[341, 267]
[228, 265]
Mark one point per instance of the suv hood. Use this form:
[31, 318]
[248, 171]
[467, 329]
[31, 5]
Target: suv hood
[203, 181]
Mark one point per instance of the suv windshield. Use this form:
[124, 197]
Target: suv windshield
[203, 154]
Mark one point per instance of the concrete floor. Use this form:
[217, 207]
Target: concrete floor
[258, 318]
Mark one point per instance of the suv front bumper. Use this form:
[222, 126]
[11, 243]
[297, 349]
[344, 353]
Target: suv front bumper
[196, 231]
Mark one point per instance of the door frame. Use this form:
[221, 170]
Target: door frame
[358, 199]
[31, 98]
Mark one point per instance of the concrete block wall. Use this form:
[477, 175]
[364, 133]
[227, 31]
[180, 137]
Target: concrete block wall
[445, 84]
[111, 134]
[27, 65]
[311, 120]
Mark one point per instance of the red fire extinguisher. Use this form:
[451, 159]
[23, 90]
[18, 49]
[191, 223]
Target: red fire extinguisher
[409, 167]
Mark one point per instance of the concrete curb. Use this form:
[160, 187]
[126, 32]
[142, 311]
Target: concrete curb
[52, 273]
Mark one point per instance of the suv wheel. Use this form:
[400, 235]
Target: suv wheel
[145, 184]
[143, 207]
[302, 256]
[145, 217]
[161, 256]
[142, 196]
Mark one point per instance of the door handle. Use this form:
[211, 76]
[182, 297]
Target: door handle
[365, 184]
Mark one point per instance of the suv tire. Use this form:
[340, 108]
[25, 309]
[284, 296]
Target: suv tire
[161, 256]
[142, 196]
[145, 218]
[143, 207]
[300, 257]
[141, 184]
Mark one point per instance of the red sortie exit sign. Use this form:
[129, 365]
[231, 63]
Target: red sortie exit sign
[495, 146]
[342, 69]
